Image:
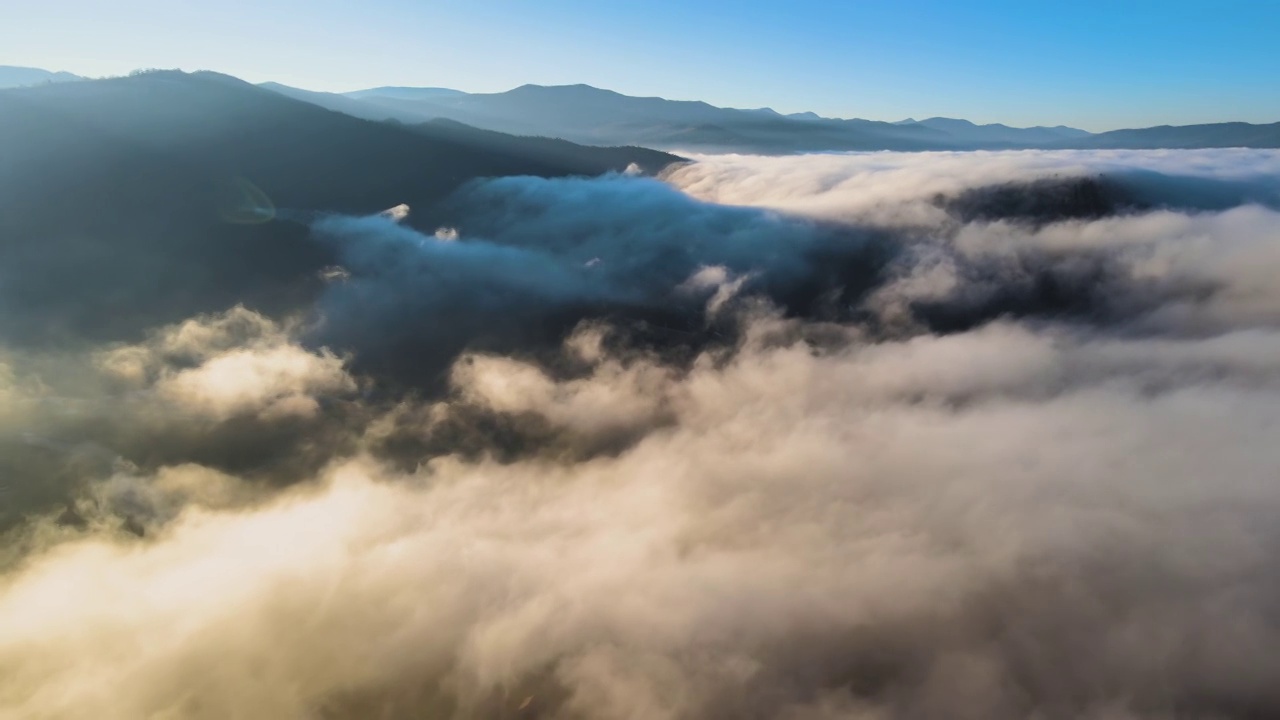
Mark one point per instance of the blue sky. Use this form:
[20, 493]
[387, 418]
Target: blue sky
[1092, 64]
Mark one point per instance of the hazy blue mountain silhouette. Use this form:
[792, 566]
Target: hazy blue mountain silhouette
[590, 115]
[593, 116]
[998, 133]
[586, 114]
[1232, 134]
[349, 104]
[149, 194]
[12, 76]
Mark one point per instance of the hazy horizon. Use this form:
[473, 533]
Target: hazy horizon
[917, 117]
[1083, 65]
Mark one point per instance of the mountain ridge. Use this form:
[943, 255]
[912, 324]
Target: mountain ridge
[590, 115]
[14, 76]
[593, 116]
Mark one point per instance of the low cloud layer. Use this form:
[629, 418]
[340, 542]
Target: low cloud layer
[841, 447]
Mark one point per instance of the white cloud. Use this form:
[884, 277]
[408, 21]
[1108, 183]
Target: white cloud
[273, 382]
[898, 188]
[913, 503]
[230, 364]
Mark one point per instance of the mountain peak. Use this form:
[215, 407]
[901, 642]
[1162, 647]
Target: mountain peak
[948, 121]
[15, 76]
[579, 89]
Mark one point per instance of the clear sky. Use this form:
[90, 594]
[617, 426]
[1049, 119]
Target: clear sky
[1089, 63]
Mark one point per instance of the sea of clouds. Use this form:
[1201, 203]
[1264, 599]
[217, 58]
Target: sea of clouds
[966, 435]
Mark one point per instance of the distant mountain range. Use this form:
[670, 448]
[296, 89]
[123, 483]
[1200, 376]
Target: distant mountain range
[12, 77]
[589, 115]
[593, 116]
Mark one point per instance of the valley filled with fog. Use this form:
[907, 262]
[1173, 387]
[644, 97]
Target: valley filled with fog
[871, 435]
